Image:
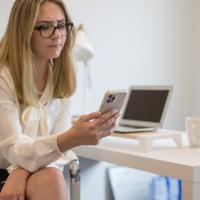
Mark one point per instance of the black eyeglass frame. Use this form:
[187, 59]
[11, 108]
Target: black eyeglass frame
[67, 24]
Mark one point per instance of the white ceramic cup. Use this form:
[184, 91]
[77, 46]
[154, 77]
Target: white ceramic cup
[192, 125]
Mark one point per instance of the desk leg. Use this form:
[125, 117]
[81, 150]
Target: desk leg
[190, 191]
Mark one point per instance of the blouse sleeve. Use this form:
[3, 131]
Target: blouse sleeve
[17, 148]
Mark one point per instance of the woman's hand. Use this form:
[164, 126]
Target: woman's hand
[15, 185]
[88, 130]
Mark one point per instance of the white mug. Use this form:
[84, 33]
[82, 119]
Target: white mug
[193, 130]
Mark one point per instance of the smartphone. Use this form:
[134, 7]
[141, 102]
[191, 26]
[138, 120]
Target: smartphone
[113, 99]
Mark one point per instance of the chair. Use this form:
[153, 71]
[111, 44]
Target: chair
[74, 171]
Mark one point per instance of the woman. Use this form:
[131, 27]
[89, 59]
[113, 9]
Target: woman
[36, 81]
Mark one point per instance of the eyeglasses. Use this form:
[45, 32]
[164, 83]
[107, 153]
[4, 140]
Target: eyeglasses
[48, 30]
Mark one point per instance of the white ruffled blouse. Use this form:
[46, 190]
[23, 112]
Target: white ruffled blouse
[28, 135]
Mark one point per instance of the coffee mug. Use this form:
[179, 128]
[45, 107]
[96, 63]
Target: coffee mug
[193, 130]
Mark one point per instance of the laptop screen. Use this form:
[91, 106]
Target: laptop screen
[146, 106]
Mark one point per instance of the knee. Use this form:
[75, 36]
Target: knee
[47, 176]
[48, 180]
[51, 175]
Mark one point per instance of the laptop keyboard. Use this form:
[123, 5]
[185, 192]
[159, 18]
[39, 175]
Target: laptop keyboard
[127, 129]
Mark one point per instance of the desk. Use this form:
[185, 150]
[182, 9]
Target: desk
[165, 159]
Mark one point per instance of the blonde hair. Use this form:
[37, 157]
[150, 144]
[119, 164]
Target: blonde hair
[16, 53]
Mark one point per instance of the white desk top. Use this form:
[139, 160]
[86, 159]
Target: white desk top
[164, 159]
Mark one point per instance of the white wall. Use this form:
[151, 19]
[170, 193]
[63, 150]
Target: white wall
[5, 7]
[197, 67]
[138, 42]
[142, 42]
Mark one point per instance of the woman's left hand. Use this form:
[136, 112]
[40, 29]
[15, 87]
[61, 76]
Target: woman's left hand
[15, 185]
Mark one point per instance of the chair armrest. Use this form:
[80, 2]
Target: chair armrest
[74, 170]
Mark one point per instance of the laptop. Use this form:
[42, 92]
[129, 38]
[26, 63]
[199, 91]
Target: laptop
[144, 108]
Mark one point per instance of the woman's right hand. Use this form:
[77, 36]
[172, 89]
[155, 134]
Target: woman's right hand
[88, 130]
[92, 127]
[15, 185]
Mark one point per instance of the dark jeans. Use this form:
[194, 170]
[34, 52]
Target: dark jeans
[3, 176]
